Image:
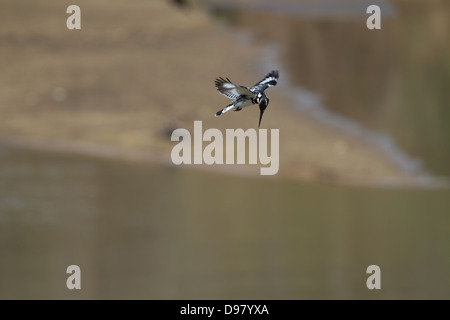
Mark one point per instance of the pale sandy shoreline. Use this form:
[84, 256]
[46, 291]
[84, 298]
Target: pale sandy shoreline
[135, 156]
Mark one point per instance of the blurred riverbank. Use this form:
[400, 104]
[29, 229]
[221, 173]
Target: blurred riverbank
[124, 84]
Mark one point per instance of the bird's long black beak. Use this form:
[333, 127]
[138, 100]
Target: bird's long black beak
[261, 111]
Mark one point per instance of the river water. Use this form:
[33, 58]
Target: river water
[144, 231]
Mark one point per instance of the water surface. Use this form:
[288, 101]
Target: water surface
[153, 232]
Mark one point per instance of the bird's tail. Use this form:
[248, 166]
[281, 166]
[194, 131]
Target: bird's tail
[227, 108]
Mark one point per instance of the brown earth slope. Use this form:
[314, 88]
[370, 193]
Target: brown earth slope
[139, 69]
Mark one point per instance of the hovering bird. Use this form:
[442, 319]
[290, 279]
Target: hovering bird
[245, 96]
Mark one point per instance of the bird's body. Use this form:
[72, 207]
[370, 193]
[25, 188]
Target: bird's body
[246, 96]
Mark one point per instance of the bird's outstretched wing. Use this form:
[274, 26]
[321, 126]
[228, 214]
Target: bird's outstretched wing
[269, 80]
[231, 90]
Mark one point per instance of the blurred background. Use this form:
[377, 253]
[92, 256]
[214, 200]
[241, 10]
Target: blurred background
[86, 118]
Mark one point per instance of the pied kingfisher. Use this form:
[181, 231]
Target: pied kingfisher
[245, 96]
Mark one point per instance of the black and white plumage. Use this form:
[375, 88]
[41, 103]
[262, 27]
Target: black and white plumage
[245, 96]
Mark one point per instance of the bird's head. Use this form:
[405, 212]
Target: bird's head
[263, 103]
